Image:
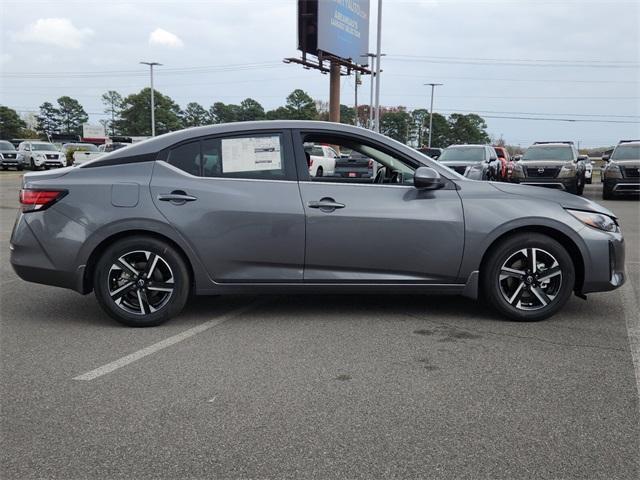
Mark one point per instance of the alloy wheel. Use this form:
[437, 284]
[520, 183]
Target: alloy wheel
[140, 282]
[530, 279]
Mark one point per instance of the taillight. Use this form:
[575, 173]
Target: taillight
[35, 200]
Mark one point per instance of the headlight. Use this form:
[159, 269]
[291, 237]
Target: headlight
[567, 171]
[613, 171]
[596, 220]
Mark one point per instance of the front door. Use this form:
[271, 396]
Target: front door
[235, 199]
[380, 229]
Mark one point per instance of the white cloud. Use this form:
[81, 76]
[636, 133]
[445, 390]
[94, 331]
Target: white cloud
[5, 58]
[166, 39]
[54, 31]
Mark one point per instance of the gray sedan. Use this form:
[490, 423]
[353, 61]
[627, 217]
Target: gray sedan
[232, 209]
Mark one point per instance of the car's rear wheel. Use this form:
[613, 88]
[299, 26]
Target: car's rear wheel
[528, 277]
[141, 281]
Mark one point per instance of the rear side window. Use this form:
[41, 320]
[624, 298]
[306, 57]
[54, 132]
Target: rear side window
[186, 157]
[258, 157]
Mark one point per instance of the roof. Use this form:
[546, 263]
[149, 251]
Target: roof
[147, 149]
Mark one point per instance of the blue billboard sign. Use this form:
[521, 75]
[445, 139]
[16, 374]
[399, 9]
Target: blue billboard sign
[343, 28]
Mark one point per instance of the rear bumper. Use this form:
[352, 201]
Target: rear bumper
[31, 263]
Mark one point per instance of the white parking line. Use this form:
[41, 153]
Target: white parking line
[630, 309]
[167, 342]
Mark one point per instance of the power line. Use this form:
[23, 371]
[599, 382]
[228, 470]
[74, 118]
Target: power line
[507, 63]
[526, 80]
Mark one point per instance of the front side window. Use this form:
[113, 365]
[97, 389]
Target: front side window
[360, 161]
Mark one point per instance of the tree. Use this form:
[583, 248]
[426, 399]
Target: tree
[113, 106]
[280, 113]
[195, 115]
[470, 128]
[397, 123]
[421, 124]
[11, 125]
[135, 117]
[221, 113]
[72, 115]
[441, 136]
[301, 106]
[250, 110]
[48, 121]
[347, 115]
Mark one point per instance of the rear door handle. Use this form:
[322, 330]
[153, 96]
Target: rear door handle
[177, 196]
[325, 204]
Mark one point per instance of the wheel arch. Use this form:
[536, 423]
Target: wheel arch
[561, 237]
[97, 247]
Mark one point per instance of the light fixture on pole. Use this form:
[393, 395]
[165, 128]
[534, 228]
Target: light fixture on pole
[433, 86]
[153, 108]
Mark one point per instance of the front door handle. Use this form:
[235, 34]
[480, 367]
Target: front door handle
[326, 204]
[177, 197]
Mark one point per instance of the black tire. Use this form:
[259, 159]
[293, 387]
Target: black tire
[525, 305]
[573, 188]
[5, 168]
[580, 186]
[33, 165]
[607, 192]
[170, 263]
[20, 168]
[319, 172]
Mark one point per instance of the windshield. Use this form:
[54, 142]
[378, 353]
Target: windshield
[6, 146]
[626, 152]
[43, 147]
[462, 154]
[548, 153]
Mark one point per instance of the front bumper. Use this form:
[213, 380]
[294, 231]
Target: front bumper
[604, 263]
[557, 183]
[623, 185]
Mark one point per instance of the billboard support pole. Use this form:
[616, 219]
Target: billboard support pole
[378, 55]
[334, 93]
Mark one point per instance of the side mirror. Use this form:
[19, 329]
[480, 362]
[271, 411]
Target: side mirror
[606, 158]
[517, 158]
[427, 178]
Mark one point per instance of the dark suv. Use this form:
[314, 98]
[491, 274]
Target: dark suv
[622, 172]
[552, 164]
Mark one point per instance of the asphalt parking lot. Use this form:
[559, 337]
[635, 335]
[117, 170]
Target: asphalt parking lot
[318, 386]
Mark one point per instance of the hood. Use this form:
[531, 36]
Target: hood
[566, 200]
[46, 152]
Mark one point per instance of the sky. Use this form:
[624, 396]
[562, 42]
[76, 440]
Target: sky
[538, 62]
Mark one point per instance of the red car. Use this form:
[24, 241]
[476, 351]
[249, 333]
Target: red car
[507, 165]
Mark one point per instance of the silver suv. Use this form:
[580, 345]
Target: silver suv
[38, 155]
[552, 164]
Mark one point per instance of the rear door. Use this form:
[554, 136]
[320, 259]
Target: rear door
[235, 199]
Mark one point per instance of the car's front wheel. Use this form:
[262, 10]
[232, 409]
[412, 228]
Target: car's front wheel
[528, 277]
[141, 281]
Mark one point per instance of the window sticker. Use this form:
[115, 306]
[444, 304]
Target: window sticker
[251, 154]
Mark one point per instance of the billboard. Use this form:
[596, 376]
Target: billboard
[93, 131]
[336, 27]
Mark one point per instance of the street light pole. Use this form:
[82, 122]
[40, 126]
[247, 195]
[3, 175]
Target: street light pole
[373, 67]
[153, 107]
[378, 55]
[433, 86]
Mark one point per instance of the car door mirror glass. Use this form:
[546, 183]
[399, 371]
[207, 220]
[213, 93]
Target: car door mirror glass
[427, 178]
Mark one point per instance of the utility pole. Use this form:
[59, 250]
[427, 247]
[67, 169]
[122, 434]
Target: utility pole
[334, 93]
[433, 86]
[153, 107]
[373, 67]
[378, 55]
[355, 98]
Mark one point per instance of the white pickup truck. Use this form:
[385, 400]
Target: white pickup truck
[82, 152]
[321, 160]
